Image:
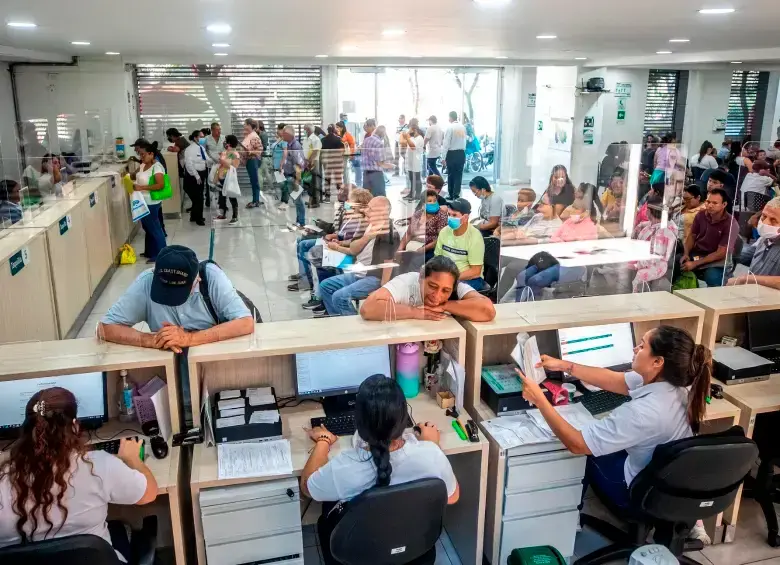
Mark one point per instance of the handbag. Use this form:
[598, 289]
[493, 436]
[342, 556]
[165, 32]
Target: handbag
[127, 182]
[230, 188]
[542, 261]
[165, 192]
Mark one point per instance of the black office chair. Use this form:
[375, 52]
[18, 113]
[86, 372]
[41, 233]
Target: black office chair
[766, 486]
[687, 480]
[491, 267]
[395, 525]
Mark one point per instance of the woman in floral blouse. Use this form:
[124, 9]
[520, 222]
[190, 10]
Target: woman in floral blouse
[252, 151]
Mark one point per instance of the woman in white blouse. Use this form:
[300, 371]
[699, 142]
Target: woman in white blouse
[704, 159]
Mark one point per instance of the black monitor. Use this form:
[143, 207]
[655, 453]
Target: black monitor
[763, 330]
[331, 373]
[88, 388]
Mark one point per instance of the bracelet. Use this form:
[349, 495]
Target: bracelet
[323, 438]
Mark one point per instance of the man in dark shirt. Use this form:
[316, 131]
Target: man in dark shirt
[711, 239]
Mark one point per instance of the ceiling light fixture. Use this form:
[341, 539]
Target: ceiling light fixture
[580, 58]
[220, 54]
[111, 53]
[663, 52]
[717, 11]
[501, 57]
[220, 44]
[492, 2]
[27, 25]
[79, 43]
[736, 62]
[320, 56]
[219, 28]
[679, 41]
[393, 32]
[549, 36]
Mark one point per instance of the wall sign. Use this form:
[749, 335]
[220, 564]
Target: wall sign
[65, 224]
[531, 100]
[19, 260]
[719, 124]
[539, 125]
[621, 109]
[623, 89]
[587, 136]
[590, 122]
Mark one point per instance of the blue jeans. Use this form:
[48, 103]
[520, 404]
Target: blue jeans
[476, 284]
[374, 181]
[304, 267]
[607, 477]
[358, 172]
[536, 280]
[713, 276]
[155, 239]
[338, 292]
[252, 168]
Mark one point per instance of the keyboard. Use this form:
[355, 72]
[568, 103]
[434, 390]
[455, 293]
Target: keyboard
[344, 424]
[602, 401]
[111, 447]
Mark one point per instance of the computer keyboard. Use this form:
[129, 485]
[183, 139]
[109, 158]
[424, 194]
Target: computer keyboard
[111, 447]
[344, 424]
[602, 401]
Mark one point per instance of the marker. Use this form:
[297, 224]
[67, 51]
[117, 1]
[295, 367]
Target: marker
[142, 451]
[459, 430]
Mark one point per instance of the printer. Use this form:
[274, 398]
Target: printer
[736, 365]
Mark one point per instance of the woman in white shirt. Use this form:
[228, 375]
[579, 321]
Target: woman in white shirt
[195, 174]
[383, 454]
[704, 160]
[52, 487]
[414, 141]
[151, 176]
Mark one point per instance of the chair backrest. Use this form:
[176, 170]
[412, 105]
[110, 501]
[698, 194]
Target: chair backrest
[70, 550]
[694, 478]
[492, 259]
[390, 525]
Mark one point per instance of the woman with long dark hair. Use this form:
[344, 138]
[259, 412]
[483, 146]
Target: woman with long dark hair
[151, 177]
[383, 454]
[560, 189]
[51, 486]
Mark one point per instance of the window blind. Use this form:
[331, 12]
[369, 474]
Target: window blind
[746, 101]
[660, 108]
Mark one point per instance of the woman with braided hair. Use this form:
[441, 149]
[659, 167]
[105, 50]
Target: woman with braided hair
[51, 486]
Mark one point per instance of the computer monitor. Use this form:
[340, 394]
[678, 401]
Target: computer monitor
[331, 373]
[762, 330]
[610, 346]
[88, 388]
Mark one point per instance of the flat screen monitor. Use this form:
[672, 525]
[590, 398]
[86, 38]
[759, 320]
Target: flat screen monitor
[763, 333]
[608, 346]
[88, 388]
[329, 373]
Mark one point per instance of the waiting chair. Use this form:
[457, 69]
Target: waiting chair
[395, 525]
[491, 267]
[686, 480]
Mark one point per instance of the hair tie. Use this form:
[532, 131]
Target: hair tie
[40, 408]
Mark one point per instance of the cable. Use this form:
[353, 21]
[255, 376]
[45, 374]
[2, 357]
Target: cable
[290, 404]
[94, 434]
[305, 510]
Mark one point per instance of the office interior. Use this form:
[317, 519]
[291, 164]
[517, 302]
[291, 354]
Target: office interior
[538, 93]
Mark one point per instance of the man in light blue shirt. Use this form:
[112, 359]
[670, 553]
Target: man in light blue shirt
[454, 155]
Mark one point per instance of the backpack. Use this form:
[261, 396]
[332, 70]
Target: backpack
[204, 292]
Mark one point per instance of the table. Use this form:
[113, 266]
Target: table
[581, 253]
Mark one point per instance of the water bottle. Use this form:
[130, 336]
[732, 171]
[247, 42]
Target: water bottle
[126, 408]
[407, 368]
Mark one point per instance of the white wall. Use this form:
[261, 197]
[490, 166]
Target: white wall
[707, 99]
[9, 146]
[772, 110]
[517, 125]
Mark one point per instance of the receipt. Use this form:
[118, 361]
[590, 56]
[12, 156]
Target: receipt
[228, 394]
[264, 417]
[232, 403]
[240, 460]
[231, 412]
[232, 421]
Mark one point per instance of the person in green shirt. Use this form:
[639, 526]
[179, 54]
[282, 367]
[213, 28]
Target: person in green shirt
[463, 243]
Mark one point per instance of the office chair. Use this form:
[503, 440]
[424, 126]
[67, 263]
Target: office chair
[686, 480]
[395, 525]
[766, 486]
[491, 267]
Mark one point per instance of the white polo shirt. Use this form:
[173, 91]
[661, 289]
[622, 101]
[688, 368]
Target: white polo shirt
[657, 414]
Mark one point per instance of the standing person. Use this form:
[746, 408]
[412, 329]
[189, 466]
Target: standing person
[279, 151]
[265, 173]
[434, 138]
[251, 151]
[472, 141]
[349, 153]
[230, 157]
[195, 175]
[215, 143]
[178, 145]
[291, 168]
[312, 146]
[373, 159]
[151, 171]
[332, 162]
[400, 144]
[454, 151]
[414, 141]
[53, 486]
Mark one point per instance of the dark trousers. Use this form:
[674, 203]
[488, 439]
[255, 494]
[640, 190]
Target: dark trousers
[415, 184]
[325, 525]
[195, 192]
[605, 474]
[154, 239]
[433, 169]
[119, 539]
[375, 182]
[456, 160]
[222, 204]
[162, 221]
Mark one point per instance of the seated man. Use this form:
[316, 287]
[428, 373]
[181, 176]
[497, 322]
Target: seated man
[376, 246]
[765, 266]
[428, 295]
[718, 178]
[712, 238]
[10, 202]
[463, 244]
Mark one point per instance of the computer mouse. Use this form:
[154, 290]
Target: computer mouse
[159, 447]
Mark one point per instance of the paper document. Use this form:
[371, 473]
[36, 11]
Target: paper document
[231, 412]
[241, 460]
[259, 397]
[360, 267]
[231, 403]
[511, 431]
[264, 417]
[232, 421]
[575, 414]
[294, 195]
[526, 355]
[278, 177]
[228, 394]
[315, 229]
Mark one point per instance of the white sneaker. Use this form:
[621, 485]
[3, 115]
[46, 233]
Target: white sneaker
[699, 533]
[283, 207]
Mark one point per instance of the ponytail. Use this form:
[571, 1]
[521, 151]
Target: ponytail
[701, 372]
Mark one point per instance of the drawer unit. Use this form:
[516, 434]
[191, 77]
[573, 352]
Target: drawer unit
[268, 549]
[544, 501]
[545, 469]
[557, 530]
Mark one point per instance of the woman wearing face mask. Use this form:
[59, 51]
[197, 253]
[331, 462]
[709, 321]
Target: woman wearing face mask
[491, 206]
[765, 262]
[195, 174]
[151, 171]
[560, 189]
[230, 157]
[426, 224]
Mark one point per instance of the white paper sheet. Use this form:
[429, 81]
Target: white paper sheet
[240, 460]
[228, 394]
[232, 421]
[259, 390]
[511, 431]
[261, 399]
[264, 417]
[232, 412]
[232, 403]
[278, 177]
[295, 194]
[575, 414]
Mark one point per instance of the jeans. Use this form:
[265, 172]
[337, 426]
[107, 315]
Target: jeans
[304, 267]
[300, 209]
[433, 169]
[287, 185]
[476, 284]
[536, 280]
[358, 172]
[607, 477]
[456, 160]
[415, 184]
[154, 240]
[375, 182]
[713, 276]
[252, 168]
[338, 292]
[162, 222]
[119, 539]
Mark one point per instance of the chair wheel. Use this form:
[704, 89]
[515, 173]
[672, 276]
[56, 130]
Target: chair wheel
[773, 539]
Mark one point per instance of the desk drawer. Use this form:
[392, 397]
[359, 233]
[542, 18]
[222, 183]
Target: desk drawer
[557, 530]
[257, 549]
[537, 471]
[544, 501]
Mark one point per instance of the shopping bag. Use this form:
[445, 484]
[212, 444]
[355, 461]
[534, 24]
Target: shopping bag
[127, 255]
[127, 182]
[138, 207]
[165, 192]
[658, 176]
[230, 188]
[213, 176]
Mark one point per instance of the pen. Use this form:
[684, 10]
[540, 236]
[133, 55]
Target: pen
[459, 430]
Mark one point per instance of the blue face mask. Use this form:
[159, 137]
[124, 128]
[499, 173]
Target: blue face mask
[202, 141]
[432, 207]
[453, 222]
[347, 206]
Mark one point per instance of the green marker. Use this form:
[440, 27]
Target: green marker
[142, 452]
[459, 430]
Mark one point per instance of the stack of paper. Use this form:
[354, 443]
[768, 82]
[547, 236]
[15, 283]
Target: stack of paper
[511, 431]
[260, 396]
[575, 414]
[241, 460]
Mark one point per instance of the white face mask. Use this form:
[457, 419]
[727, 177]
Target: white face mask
[765, 230]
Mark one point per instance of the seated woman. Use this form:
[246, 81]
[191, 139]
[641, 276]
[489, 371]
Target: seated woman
[522, 215]
[383, 454]
[491, 207]
[538, 229]
[668, 384]
[52, 487]
[426, 228]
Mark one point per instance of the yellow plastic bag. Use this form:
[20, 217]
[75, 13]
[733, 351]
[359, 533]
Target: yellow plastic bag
[127, 256]
[128, 184]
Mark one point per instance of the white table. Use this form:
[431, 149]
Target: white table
[587, 253]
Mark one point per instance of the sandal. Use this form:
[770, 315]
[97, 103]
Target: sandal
[253, 205]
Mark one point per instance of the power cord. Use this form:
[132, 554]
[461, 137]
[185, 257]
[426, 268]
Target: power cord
[94, 434]
[291, 404]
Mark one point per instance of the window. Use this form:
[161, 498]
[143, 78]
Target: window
[746, 104]
[661, 107]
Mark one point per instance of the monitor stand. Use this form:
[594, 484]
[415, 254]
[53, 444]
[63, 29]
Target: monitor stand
[338, 405]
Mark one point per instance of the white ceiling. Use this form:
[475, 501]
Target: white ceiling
[611, 32]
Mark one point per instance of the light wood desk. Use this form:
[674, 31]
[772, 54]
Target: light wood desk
[268, 359]
[41, 359]
[93, 193]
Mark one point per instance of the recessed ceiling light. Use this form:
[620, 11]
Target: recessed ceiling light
[493, 2]
[663, 52]
[111, 53]
[679, 41]
[219, 28]
[393, 32]
[546, 37]
[580, 58]
[220, 54]
[717, 11]
[501, 57]
[220, 44]
[27, 25]
[736, 62]
[79, 43]
[321, 56]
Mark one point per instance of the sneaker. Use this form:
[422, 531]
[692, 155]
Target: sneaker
[233, 220]
[699, 533]
[312, 303]
[321, 313]
[221, 217]
[294, 287]
[294, 278]
[320, 308]
[283, 207]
